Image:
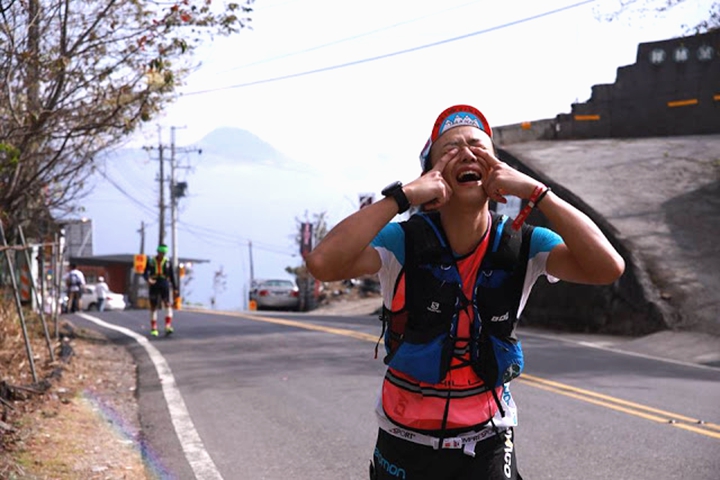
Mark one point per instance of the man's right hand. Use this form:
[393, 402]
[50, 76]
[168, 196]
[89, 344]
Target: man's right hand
[151, 281]
[431, 190]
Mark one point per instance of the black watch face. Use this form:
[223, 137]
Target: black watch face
[390, 188]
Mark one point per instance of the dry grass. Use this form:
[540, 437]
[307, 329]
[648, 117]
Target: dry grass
[84, 424]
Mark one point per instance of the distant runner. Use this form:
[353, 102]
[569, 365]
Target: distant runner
[160, 277]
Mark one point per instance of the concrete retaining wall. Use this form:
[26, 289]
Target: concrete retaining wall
[626, 307]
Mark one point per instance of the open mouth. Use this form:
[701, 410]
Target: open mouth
[468, 176]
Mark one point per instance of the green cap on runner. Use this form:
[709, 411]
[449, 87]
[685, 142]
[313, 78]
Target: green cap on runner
[162, 249]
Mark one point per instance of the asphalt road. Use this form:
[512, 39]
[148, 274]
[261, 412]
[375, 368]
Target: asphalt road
[259, 396]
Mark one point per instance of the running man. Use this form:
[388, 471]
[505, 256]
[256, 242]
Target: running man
[160, 277]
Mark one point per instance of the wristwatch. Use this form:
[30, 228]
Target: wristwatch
[395, 191]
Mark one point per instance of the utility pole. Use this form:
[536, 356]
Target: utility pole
[135, 275]
[252, 272]
[177, 191]
[142, 236]
[173, 205]
[161, 228]
[249, 295]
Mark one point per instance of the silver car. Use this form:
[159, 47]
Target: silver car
[276, 294]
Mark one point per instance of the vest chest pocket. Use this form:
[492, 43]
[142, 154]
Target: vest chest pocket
[432, 295]
[426, 362]
[500, 360]
[426, 347]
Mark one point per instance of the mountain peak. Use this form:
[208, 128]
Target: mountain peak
[240, 146]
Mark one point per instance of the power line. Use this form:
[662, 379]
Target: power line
[393, 54]
[226, 239]
[137, 202]
[205, 234]
[346, 39]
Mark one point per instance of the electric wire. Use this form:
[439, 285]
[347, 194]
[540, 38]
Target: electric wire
[132, 182]
[346, 39]
[208, 235]
[226, 239]
[392, 54]
[127, 195]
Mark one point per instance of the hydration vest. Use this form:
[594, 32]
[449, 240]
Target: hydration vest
[159, 267]
[421, 336]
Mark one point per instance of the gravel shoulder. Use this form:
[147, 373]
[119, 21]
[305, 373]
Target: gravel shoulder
[85, 426]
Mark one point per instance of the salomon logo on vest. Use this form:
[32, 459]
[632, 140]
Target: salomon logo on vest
[434, 307]
[393, 470]
[507, 468]
[501, 318]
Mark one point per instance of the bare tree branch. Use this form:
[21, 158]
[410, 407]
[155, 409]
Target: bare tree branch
[78, 77]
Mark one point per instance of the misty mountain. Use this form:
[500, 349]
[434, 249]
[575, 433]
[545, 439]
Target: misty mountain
[240, 191]
[236, 145]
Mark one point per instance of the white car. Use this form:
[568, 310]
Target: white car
[113, 301]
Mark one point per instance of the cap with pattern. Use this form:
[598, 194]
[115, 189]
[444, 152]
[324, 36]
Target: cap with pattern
[455, 116]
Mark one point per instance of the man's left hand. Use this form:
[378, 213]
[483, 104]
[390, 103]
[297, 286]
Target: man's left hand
[500, 179]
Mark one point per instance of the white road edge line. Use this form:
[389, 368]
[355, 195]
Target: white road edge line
[195, 453]
[617, 350]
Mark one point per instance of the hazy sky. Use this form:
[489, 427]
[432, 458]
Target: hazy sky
[384, 70]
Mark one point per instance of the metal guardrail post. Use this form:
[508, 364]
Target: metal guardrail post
[18, 304]
[33, 287]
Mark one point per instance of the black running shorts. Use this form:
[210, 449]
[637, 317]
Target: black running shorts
[395, 458]
[158, 294]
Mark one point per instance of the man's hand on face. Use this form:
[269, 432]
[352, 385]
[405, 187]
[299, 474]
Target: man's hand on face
[500, 179]
[430, 189]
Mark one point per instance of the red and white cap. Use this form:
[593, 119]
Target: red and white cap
[455, 116]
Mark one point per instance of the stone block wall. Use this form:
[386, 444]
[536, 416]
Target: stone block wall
[673, 88]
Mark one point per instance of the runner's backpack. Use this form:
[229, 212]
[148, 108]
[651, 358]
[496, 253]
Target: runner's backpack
[73, 280]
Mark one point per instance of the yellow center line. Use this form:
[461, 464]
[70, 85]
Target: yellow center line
[638, 406]
[614, 403]
[294, 323]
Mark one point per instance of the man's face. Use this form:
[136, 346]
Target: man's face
[462, 172]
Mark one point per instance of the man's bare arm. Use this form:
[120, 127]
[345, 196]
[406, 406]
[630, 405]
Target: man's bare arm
[587, 255]
[345, 251]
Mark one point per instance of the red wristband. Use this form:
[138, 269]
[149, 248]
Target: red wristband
[522, 216]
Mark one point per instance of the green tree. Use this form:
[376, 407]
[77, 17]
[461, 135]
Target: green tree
[78, 77]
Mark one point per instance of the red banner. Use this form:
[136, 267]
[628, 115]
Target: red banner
[305, 238]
